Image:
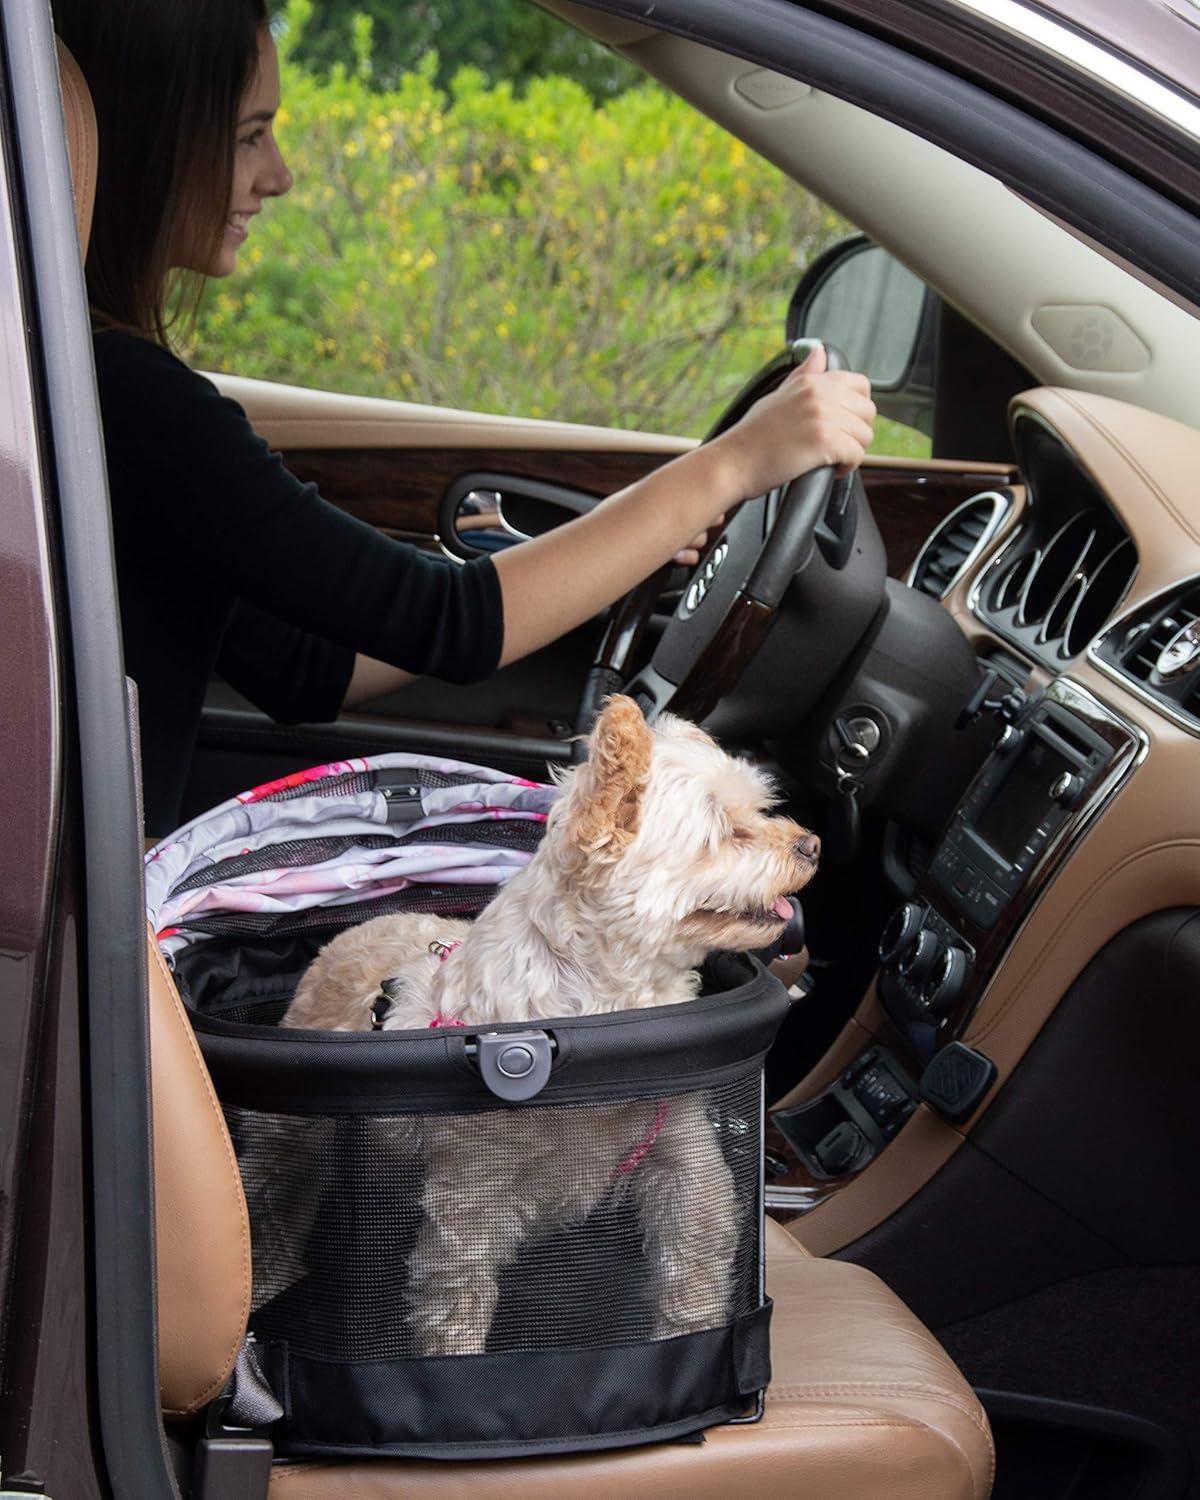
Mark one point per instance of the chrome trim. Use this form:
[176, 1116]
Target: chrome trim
[1064, 532]
[1001, 505]
[1131, 684]
[1027, 414]
[803, 1200]
[1069, 623]
[993, 570]
[1141, 89]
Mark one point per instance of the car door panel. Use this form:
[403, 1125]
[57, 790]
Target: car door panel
[391, 464]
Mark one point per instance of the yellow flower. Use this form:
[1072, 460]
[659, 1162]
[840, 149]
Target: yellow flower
[501, 330]
[351, 148]
[538, 162]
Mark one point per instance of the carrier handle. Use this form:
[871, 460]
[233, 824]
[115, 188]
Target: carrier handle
[515, 1065]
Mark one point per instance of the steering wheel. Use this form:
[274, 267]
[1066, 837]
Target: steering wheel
[733, 598]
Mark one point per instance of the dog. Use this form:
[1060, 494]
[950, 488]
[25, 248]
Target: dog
[659, 850]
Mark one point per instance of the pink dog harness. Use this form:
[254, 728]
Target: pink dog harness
[442, 952]
[382, 1003]
[630, 1163]
[643, 1148]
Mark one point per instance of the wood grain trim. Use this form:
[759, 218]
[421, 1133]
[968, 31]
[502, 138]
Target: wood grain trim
[399, 489]
[716, 673]
[908, 503]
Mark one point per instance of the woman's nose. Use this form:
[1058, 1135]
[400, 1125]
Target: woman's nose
[276, 179]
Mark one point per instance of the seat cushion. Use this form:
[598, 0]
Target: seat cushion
[864, 1405]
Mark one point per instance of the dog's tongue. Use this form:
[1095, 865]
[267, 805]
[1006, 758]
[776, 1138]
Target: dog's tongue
[783, 909]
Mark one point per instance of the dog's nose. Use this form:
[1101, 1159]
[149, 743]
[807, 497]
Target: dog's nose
[809, 847]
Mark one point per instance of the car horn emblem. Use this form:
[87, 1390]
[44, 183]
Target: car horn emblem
[700, 585]
[1181, 653]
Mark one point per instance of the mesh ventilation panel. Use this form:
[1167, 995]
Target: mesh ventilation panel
[507, 1230]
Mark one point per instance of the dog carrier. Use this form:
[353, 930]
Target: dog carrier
[467, 1242]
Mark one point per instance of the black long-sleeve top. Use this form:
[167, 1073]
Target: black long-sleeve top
[226, 562]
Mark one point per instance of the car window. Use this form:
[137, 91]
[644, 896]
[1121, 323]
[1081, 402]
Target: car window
[500, 215]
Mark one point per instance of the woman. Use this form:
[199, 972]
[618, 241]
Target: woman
[224, 560]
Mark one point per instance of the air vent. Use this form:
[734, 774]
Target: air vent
[1156, 650]
[1070, 563]
[957, 542]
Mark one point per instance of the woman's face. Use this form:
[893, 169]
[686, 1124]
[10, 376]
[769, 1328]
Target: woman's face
[259, 171]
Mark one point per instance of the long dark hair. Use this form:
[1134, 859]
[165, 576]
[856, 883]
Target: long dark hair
[166, 78]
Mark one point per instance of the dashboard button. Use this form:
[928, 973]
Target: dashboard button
[989, 902]
[1067, 790]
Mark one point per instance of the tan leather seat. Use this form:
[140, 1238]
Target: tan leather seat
[863, 1404]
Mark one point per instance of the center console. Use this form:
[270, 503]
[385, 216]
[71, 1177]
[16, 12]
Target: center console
[1053, 768]
[1051, 772]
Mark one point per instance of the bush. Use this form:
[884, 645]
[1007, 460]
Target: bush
[625, 263]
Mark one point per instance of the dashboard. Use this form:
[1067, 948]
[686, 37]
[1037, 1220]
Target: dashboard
[1080, 592]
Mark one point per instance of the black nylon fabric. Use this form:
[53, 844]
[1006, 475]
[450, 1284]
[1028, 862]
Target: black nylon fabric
[669, 1049]
[248, 970]
[519, 1405]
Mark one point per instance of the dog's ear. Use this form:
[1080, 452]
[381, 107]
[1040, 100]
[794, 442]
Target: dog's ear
[605, 801]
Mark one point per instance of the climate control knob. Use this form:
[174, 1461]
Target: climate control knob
[920, 958]
[946, 982]
[902, 926]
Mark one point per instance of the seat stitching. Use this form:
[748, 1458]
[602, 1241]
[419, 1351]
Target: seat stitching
[213, 1387]
[859, 1388]
[881, 1387]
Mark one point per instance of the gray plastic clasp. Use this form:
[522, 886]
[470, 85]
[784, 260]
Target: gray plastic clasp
[515, 1065]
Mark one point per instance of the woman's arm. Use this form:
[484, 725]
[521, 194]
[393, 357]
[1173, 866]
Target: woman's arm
[555, 582]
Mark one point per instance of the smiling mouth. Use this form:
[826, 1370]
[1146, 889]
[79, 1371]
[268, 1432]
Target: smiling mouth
[779, 911]
[238, 224]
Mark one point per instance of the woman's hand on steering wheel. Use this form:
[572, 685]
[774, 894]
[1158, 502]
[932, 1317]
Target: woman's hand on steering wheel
[814, 419]
[785, 452]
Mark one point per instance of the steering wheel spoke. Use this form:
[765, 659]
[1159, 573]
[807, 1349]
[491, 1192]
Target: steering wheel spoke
[733, 598]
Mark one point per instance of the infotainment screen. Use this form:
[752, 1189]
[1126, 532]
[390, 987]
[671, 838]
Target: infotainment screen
[1017, 804]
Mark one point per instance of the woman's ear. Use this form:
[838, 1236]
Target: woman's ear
[604, 800]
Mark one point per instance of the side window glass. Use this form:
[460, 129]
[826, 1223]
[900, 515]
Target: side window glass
[495, 214]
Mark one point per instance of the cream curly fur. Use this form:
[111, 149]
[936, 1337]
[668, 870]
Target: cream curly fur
[659, 850]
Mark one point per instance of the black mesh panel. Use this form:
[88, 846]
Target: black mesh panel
[516, 1230]
[293, 854]
[445, 901]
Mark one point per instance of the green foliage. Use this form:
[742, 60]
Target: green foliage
[504, 39]
[626, 264]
